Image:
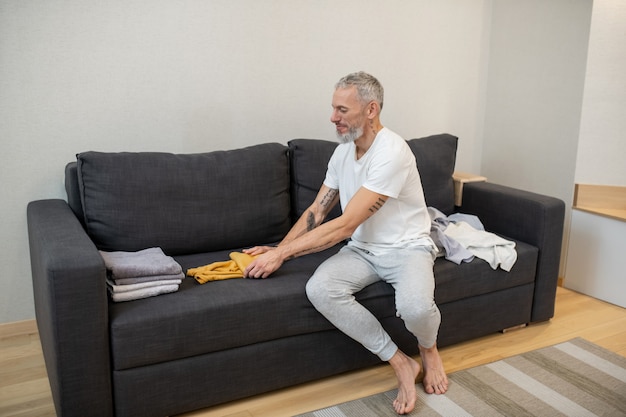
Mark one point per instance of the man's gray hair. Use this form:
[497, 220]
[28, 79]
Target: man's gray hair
[367, 86]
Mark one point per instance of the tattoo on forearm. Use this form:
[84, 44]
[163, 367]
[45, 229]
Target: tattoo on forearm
[310, 221]
[311, 250]
[377, 205]
[328, 198]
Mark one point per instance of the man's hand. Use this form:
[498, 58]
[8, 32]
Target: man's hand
[268, 261]
[257, 250]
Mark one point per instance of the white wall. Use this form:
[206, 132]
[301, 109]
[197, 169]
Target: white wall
[595, 264]
[196, 75]
[601, 157]
[534, 95]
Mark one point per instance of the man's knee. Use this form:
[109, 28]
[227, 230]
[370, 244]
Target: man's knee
[312, 290]
[321, 291]
[417, 310]
[317, 291]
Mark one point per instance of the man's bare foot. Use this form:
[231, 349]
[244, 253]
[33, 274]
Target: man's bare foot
[406, 369]
[435, 379]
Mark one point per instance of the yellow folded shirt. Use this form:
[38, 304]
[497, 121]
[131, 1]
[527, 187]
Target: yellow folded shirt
[223, 269]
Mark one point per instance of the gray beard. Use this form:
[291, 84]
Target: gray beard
[352, 135]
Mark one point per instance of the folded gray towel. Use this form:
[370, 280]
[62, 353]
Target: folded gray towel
[142, 293]
[153, 278]
[113, 287]
[147, 262]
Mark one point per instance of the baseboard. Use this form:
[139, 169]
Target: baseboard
[17, 328]
[559, 282]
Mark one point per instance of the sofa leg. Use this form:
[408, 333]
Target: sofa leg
[519, 326]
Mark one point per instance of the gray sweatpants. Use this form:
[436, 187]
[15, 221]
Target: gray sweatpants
[409, 271]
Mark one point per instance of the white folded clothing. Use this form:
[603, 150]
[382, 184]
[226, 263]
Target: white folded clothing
[488, 246]
[132, 287]
[142, 293]
[153, 278]
[142, 263]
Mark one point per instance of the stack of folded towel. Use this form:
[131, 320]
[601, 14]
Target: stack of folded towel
[142, 274]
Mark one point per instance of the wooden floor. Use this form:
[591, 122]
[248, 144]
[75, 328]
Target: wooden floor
[24, 389]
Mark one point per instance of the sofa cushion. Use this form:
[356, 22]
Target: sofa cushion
[188, 203]
[73, 191]
[456, 282]
[215, 316]
[220, 315]
[435, 157]
[309, 161]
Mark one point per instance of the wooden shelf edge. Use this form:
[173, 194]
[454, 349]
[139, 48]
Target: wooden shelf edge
[604, 200]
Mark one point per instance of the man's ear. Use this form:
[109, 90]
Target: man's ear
[373, 110]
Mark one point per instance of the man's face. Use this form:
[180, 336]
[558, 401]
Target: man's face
[348, 114]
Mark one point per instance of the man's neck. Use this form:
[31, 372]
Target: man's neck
[369, 135]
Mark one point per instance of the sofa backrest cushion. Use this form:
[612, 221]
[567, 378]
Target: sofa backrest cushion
[73, 191]
[309, 160]
[185, 203]
[435, 157]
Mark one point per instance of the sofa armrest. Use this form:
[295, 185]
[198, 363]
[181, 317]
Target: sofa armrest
[531, 218]
[71, 308]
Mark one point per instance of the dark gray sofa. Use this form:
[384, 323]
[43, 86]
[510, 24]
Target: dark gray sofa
[212, 343]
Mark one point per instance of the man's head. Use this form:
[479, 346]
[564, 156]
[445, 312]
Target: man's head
[367, 86]
[358, 98]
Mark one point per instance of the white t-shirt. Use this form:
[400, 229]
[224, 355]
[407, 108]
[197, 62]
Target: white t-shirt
[388, 168]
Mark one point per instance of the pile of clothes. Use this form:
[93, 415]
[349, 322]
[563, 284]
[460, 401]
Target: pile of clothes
[461, 237]
[142, 274]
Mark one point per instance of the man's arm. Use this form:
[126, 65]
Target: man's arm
[312, 217]
[308, 234]
[326, 199]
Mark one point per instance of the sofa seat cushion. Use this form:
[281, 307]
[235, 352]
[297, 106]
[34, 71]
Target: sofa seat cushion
[454, 282]
[219, 315]
[215, 316]
[185, 203]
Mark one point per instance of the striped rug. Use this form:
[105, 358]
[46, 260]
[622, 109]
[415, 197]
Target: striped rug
[575, 378]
